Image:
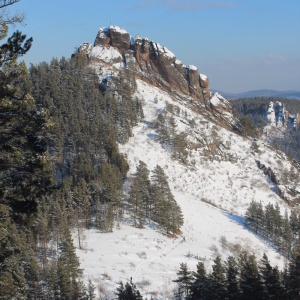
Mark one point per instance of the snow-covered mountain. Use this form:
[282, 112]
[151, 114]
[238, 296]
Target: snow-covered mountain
[222, 173]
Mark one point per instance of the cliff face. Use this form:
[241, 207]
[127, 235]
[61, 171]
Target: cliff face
[114, 48]
[278, 117]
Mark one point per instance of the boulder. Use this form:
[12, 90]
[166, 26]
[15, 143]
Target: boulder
[113, 36]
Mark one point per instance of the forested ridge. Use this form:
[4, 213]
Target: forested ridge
[251, 113]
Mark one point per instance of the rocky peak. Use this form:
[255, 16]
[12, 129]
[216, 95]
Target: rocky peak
[278, 117]
[114, 48]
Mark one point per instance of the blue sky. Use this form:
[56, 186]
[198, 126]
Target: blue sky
[240, 44]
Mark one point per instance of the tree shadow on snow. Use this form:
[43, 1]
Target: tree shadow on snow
[236, 219]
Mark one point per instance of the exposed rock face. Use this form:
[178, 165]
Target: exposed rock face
[277, 116]
[113, 36]
[115, 48]
[220, 105]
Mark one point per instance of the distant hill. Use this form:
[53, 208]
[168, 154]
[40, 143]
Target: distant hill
[261, 93]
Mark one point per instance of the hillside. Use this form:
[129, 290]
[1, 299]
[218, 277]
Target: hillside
[213, 188]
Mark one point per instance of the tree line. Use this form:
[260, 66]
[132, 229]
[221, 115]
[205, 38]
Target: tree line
[240, 278]
[280, 229]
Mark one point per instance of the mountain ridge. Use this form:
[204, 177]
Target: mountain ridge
[260, 93]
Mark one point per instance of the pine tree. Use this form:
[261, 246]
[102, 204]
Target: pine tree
[166, 211]
[232, 280]
[293, 276]
[199, 285]
[271, 279]
[91, 291]
[250, 279]
[184, 280]
[128, 292]
[217, 280]
[69, 272]
[26, 172]
[139, 197]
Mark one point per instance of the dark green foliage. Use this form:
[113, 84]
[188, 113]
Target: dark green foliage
[217, 280]
[68, 270]
[289, 144]
[199, 286]
[247, 126]
[166, 211]
[241, 279]
[184, 279]
[268, 221]
[232, 278]
[259, 105]
[271, 279]
[293, 275]
[154, 200]
[139, 196]
[91, 291]
[88, 125]
[25, 168]
[128, 292]
[251, 285]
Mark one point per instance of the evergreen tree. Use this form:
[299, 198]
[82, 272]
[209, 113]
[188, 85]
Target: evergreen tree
[139, 197]
[166, 211]
[271, 279]
[69, 273]
[91, 291]
[184, 280]
[199, 285]
[217, 280]
[232, 280]
[293, 276]
[25, 167]
[128, 292]
[250, 279]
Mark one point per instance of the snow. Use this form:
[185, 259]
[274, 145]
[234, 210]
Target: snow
[214, 100]
[105, 54]
[203, 77]
[213, 191]
[152, 259]
[104, 30]
[271, 114]
[164, 51]
[178, 62]
[192, 67]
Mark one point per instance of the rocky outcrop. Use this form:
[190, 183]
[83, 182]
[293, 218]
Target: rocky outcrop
[268, 171]
[113, 36]
[277, 116]
[114, 48]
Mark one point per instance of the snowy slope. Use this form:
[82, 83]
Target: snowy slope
[213, 190]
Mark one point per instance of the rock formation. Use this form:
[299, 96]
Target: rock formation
[115, 48]
[277, 116]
